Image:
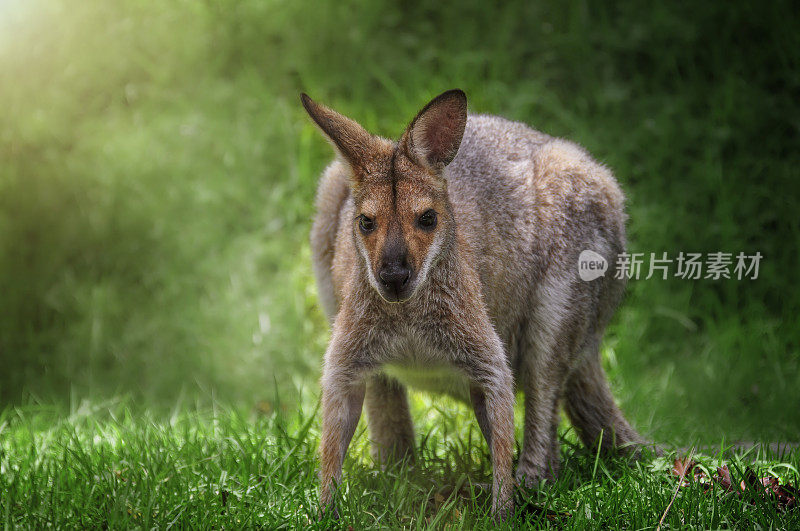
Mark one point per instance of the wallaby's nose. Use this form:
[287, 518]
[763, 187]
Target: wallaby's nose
[395, 278]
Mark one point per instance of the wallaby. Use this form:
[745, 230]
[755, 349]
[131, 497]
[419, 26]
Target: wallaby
[448, 261]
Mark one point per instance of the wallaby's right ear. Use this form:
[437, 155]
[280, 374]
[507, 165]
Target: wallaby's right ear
[434, 136]
[351, 140]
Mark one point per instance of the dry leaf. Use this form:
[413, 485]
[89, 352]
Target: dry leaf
[785, 496]
[723, 478]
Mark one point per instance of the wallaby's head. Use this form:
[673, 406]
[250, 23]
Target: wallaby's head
[403, 220]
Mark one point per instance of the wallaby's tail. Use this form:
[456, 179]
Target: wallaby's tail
[591, 407]
[332, 193]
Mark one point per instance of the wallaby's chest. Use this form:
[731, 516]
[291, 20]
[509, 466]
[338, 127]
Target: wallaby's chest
[443, 378]
[422, 366]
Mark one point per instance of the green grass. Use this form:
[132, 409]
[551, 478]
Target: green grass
[105, 466]
[157, 176]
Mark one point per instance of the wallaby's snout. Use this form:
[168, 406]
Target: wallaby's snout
[395, 273]
[394, 281]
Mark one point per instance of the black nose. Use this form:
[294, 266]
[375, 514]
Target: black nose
[395, 278]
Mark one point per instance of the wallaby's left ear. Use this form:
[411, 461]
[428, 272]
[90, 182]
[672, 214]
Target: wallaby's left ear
[434, 135]
[354, 143]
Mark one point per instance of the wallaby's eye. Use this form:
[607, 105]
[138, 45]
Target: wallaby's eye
[427, 220]
[366, 224]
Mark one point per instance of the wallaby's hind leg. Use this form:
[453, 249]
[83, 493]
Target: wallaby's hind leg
[390, 426]
[591, 407]
[539, 457]
[542, 367]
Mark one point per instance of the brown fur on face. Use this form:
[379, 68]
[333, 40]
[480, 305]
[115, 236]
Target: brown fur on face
[394, 203]
[393, 185]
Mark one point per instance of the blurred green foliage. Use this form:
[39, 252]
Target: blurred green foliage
[157, 177]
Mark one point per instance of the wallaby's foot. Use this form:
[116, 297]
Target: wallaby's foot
[593, 412]
[329, 512]
[530, 475]
[397, 458]
[501, 515]
[641, 451]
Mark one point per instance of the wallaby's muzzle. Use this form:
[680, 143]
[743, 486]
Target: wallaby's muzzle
[395, 272]
[395, 283]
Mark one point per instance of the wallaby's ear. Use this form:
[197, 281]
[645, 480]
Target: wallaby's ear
[434, 135]
[352, 141]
